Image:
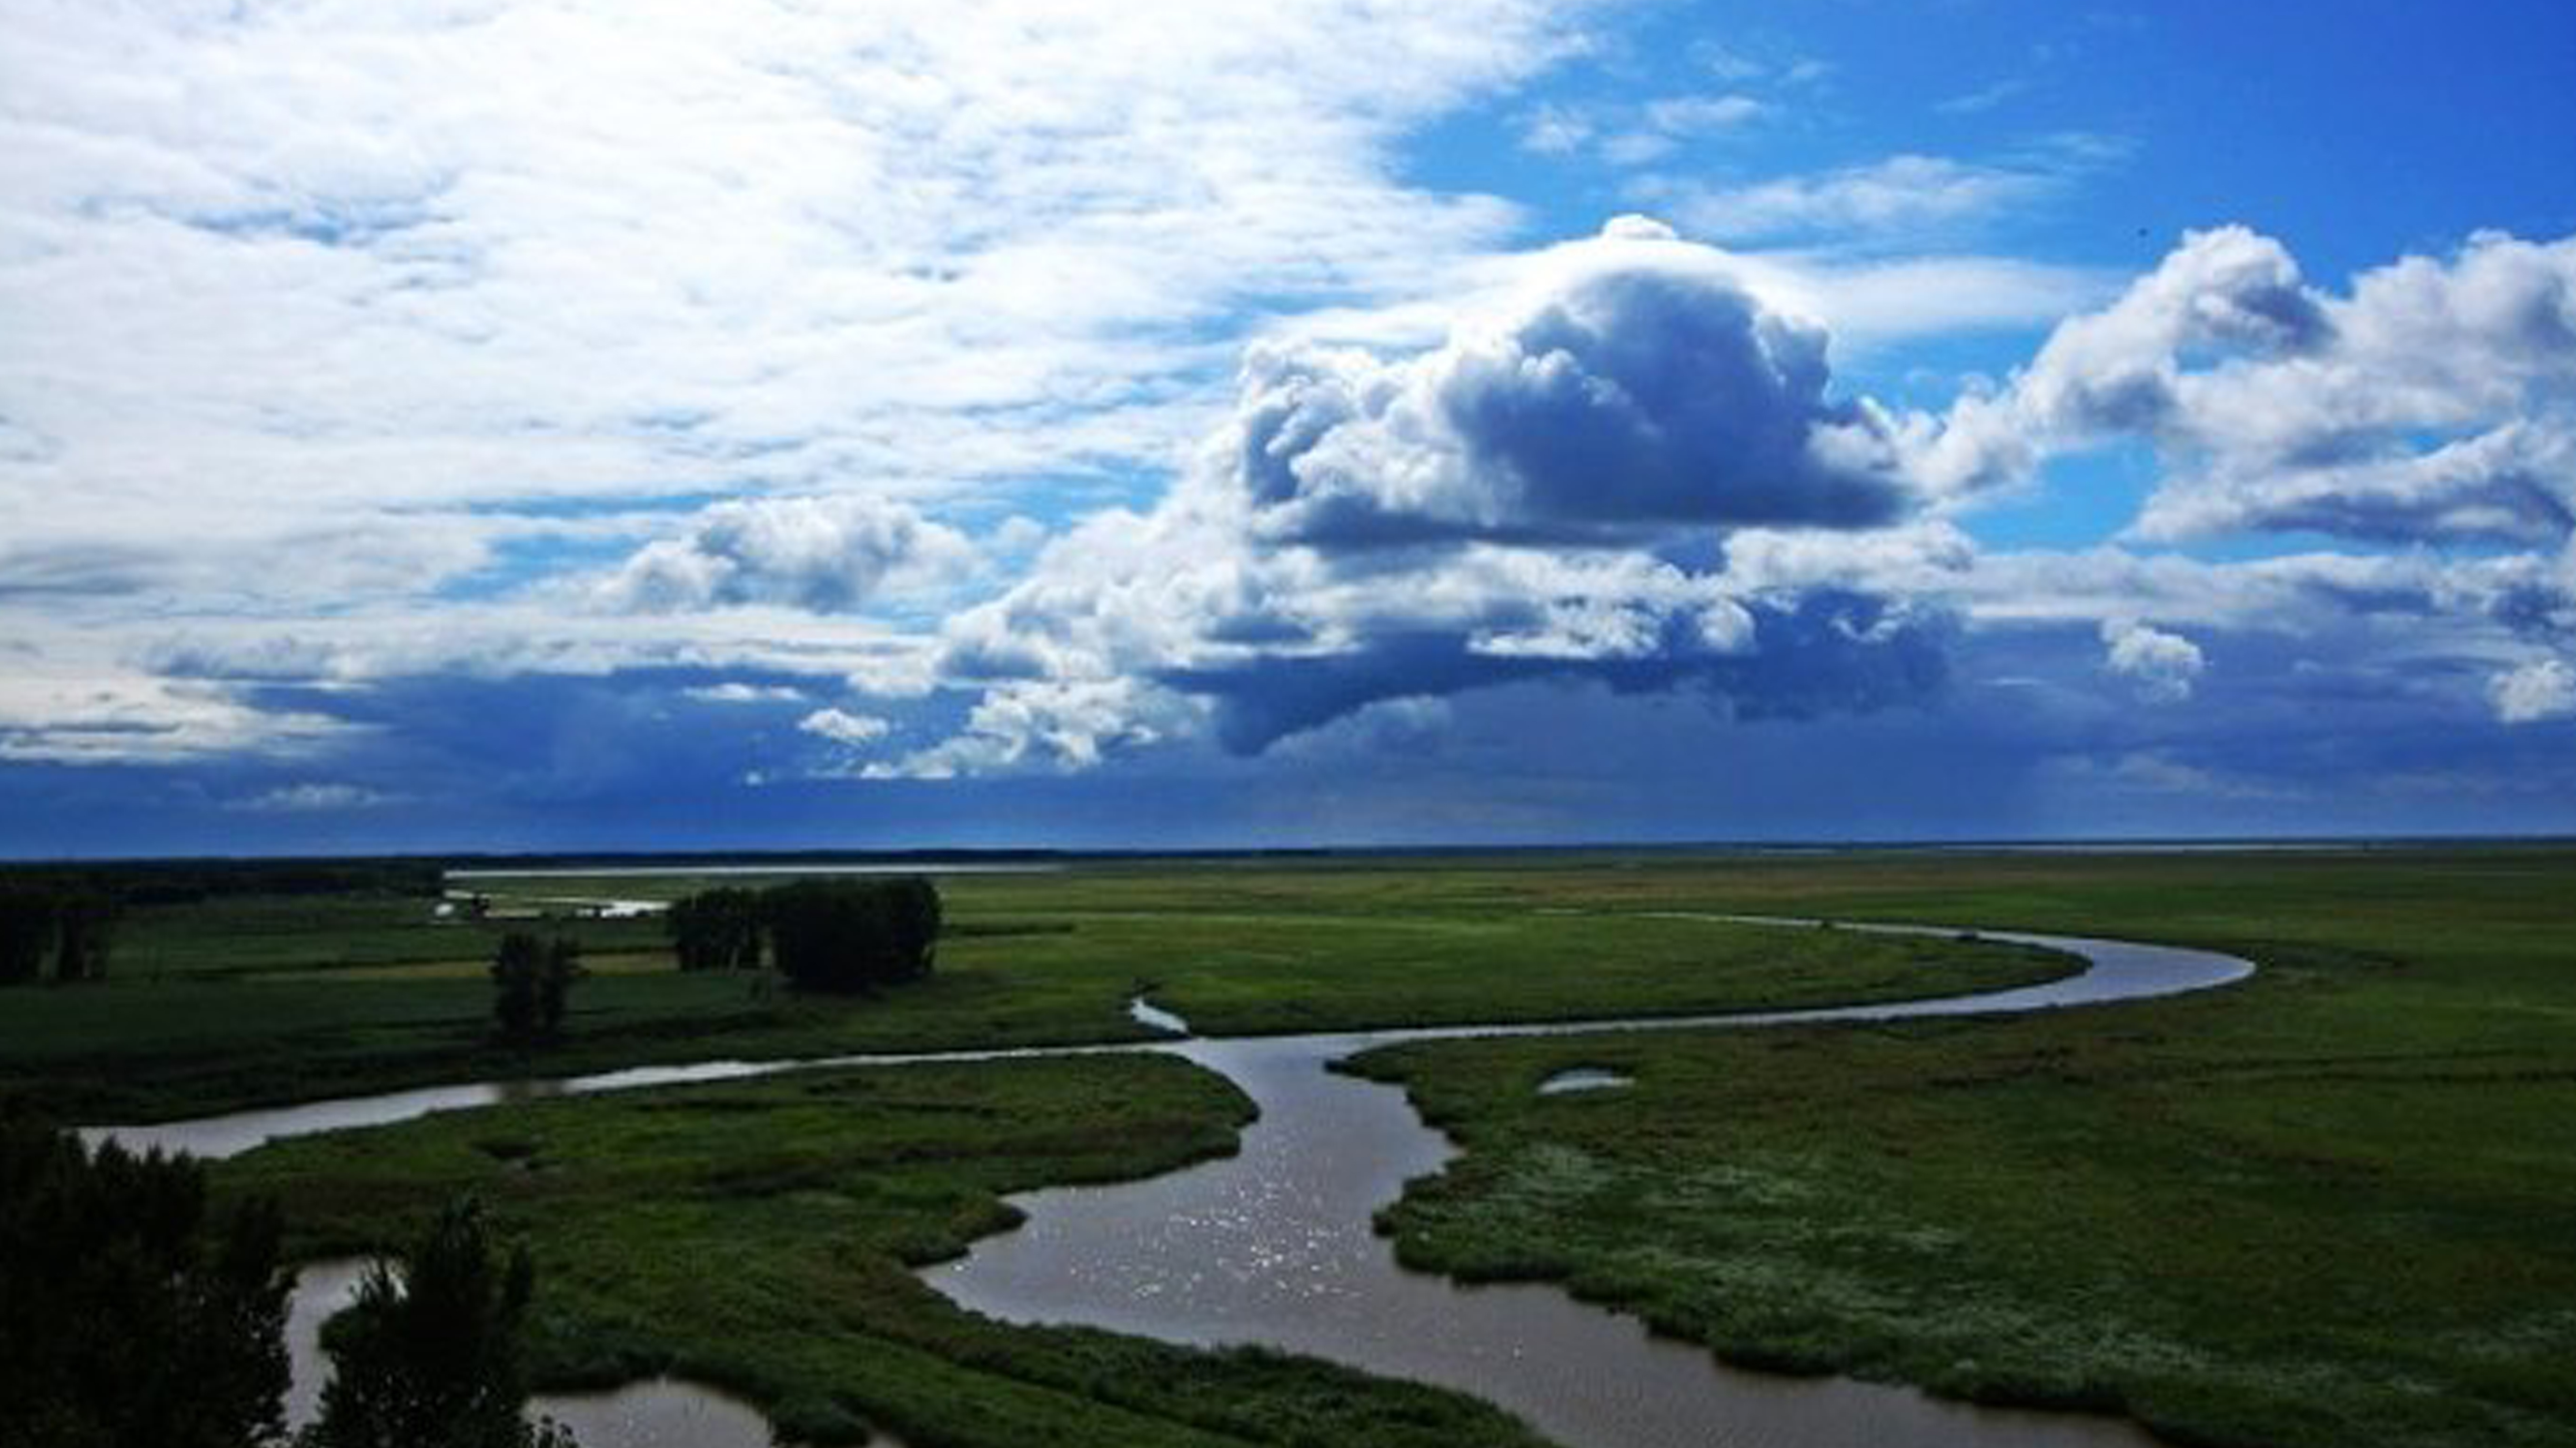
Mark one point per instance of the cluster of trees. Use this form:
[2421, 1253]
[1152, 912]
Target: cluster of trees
[428, 1356]
[70, 929]
[532, 982]
[129, 1315]
[133, 1317]
[827, 935]
[716, 929]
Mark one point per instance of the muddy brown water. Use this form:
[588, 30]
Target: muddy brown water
[1274, 1245]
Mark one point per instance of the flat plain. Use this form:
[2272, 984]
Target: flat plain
[2333, 1204]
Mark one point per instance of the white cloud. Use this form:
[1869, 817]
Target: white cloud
[1689, 115]
[58, 712]
[316, 798]
[2539, 690]
[1897, 194]
[737, 692]
[1635, 133]
[846, 728]
[1640, 383]
[1984, 98]
[2162, 666]
[2430, 403]
[1554, 130]
[1541, 494]
[827, 554]
[1050, 725]
[412, 295]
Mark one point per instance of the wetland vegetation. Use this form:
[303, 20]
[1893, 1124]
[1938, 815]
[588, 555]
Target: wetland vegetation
[2335, 1205]
[244, 1000]
[2332, 1205]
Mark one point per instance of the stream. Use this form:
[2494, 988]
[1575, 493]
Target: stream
[1274, 1245]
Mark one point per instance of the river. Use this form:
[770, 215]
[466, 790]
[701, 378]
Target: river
[1275, 1246]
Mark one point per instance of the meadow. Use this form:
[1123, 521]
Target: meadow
[2335, 1205]
[231, 1002]
[2332, 1205]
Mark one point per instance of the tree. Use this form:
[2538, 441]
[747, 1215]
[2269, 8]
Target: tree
[26, 934]
[853, 935]
[554, 983]
[715, 929]
[131, 1320]
[531, 982]
[428, 1356]
[84, 928]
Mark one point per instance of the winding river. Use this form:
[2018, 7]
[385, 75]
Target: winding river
[1275, 1246]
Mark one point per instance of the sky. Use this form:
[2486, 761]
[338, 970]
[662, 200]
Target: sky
[443, 425]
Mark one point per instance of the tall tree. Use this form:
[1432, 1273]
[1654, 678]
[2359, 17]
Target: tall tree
[515, 967]
[128, 1318]
[532, 983]
[428, 1356]
[84, 929]
[555, 976]
[717, 929]
[26, 933]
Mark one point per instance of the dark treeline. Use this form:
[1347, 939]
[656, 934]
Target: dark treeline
[63, 933]
[826, 935]
[136, 1318]
[128, 1316]
[185, 882]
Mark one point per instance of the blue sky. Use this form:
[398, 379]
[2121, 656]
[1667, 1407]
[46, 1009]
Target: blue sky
[559, 424]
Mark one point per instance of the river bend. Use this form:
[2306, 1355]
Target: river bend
[1275, 1245]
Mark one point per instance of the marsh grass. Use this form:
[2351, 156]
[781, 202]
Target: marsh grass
[2335, 1205]
[250, 1001]
[760, 1236]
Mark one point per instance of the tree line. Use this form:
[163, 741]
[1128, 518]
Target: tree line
[62, 934]
[184, 882]
[825, 935]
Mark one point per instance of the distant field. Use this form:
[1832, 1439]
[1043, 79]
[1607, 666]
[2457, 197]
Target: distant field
[245, 1000]
[2334, 1206]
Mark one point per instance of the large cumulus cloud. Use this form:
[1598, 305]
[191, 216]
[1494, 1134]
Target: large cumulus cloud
[1544, 495]
[1640, 386]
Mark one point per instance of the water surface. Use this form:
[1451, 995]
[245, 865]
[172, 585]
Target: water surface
[655, 1413]
[1275, 1246]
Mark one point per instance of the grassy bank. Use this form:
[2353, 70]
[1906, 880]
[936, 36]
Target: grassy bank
[245, 1001]
[2333, 1206]
[757, 1236]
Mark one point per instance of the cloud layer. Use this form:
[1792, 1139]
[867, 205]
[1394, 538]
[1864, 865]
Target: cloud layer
[566, 399]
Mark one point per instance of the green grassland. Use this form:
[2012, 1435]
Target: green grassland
[2335, 1205]
[245, 1000]
[758, 1236]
